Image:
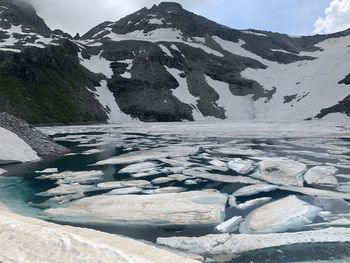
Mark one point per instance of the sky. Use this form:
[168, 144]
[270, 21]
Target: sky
[297, 17]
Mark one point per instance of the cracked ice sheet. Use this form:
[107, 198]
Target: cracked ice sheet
[153, 154]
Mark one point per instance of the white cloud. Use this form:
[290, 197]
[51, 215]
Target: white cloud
[81, 15]
[337, 18]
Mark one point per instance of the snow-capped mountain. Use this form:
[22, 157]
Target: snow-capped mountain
[167, 64]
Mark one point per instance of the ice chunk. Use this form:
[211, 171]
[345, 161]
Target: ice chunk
[122, 184]
[232, 201]
[126, 191]
[344, 188]
[254, 202]
[153, 154]
[218, 163]
[165, 209]
[279, 216]
[230, 225]
[83, 177]
[66, 189]
[65, 198]
[165, 190]
[316, 192]
[48, 171]
[241, 166]
[2, 171]
[338, 222]
[219, 177]
[255, 189]
[282, 171]
[237, 151]
[92, 151]
[321, 175]
[139, 167]
[162, 180]
[180, 177]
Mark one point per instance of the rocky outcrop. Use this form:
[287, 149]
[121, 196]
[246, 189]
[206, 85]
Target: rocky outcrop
[41, 143]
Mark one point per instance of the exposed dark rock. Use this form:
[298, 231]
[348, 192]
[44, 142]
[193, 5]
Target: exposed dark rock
[290, 98]
[345, 81]
[42, 144]
[342, 107]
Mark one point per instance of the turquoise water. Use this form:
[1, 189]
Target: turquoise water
[19, 188]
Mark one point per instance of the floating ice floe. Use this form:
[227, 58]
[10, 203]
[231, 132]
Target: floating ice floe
[123, 184]
[83, 177]
[336, 223]
[139, 167]
[47, 171]
[25, 239]
[218, 163]
[219, 177]
[343, 176]
[92, 151]
[187, 208]
[2, 171]
[126, 191]
[194, 181]
[153, 154]
[321, 175]
[216, 168]
[289, 213]
[162, 180]
[180, 177]
[177, 162]
[345, 187]
[281, 171]
[165, 190]
[316, 192]
[255, 189]
[230, 225]
[65, 198]
[236, 151]
[67, 189]
[241, 166]
[232, 201]
[254, 202]
[226, 246]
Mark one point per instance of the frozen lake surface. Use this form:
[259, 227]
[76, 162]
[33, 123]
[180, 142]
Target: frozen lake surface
[150, 181]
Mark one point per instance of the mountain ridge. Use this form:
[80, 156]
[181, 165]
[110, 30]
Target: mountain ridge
[165, 63]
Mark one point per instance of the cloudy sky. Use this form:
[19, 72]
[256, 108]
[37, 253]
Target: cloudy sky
[286, 16]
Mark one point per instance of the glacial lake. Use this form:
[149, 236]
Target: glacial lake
[202, 147]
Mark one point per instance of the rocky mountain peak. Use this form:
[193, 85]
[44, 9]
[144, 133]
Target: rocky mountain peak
[21, 13]
[168, 6]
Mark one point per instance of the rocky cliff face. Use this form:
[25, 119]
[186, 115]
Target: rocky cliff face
[41, 79]
[167, 64]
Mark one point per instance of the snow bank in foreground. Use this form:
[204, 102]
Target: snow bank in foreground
[13, 148]
[37, 241]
